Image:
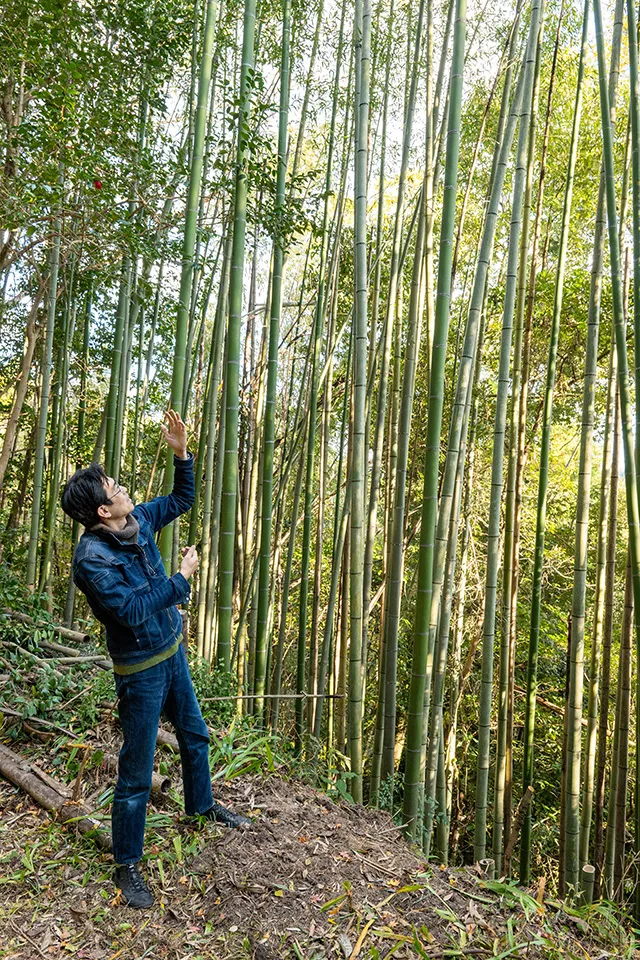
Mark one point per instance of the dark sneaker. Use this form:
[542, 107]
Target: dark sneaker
[134, 889]
[228, 819]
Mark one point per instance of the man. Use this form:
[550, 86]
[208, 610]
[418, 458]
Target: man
[118, 567]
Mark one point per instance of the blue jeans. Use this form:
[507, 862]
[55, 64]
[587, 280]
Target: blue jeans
[142, 697]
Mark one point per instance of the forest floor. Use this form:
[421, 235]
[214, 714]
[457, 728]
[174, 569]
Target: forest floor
[311, 878]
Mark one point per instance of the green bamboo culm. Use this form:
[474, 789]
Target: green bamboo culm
[503, 780]
[383, 761]
[464, 383]
[362, 39]
[634, 109]
[585, 470]
[489, 624]
[232, 360]
[572, 800]
[76, 529]
[269, 423]
[543, 481]
[188, 250]
[414, 773]
[319, 662]
[395, 280]
[58, 431]
[43, 415]
[114, 380]
[316, 342]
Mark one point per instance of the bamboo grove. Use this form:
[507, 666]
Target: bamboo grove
[382, 257]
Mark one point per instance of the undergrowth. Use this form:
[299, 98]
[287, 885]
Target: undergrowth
[82, 700]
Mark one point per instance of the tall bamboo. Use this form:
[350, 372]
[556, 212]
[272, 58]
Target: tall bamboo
[188, 249]
[80, 438]
[618, 827]
[572, 859]
[489, 622]
[362, 40]
[503, 775]
[43, 413]
[577, 636]
[634, 110]
[465, 371]
[383, 768]
[232, 364]
[414, 776]
[607, 637]
[58, 430]
[589, 776]
[388, 327]
[272, 372]
[113, 427]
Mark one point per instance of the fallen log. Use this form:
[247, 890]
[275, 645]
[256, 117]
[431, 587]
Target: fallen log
[22, 773]
[160, 785]
[57, 628]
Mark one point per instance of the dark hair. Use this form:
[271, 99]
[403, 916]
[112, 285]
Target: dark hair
[83, 493]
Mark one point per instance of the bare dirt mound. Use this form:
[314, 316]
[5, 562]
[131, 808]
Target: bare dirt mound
[340, 879]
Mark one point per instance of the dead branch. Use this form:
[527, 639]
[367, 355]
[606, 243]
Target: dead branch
[518, 820]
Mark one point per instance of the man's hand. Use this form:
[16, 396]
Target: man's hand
[189, 563]
[176, 434]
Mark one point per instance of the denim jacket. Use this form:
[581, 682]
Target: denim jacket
[126, 584]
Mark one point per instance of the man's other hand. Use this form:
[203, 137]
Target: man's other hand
[175, 434]
[189, 563]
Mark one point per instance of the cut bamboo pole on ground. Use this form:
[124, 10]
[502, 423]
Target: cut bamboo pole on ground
[7, 711]
[40, 661]
[98, 659]
[160, 785]
[28, 778]
[75, 635]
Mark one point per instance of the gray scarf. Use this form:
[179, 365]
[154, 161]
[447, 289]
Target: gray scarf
[128, 534]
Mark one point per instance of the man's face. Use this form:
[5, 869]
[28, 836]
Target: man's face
[121, 503]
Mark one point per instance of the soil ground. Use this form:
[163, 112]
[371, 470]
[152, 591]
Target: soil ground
[311, 878]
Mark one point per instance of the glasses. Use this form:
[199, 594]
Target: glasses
[117, 489]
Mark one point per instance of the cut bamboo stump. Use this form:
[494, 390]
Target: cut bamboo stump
[51, 795]
[160, 785]
[587, 879]
[65, 632]
[487, 868]
[166, 739]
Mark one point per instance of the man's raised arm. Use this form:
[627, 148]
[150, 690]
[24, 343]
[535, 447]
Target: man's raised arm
[163, 510]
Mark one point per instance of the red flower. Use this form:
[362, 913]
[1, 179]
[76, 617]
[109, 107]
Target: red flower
[97, 184]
